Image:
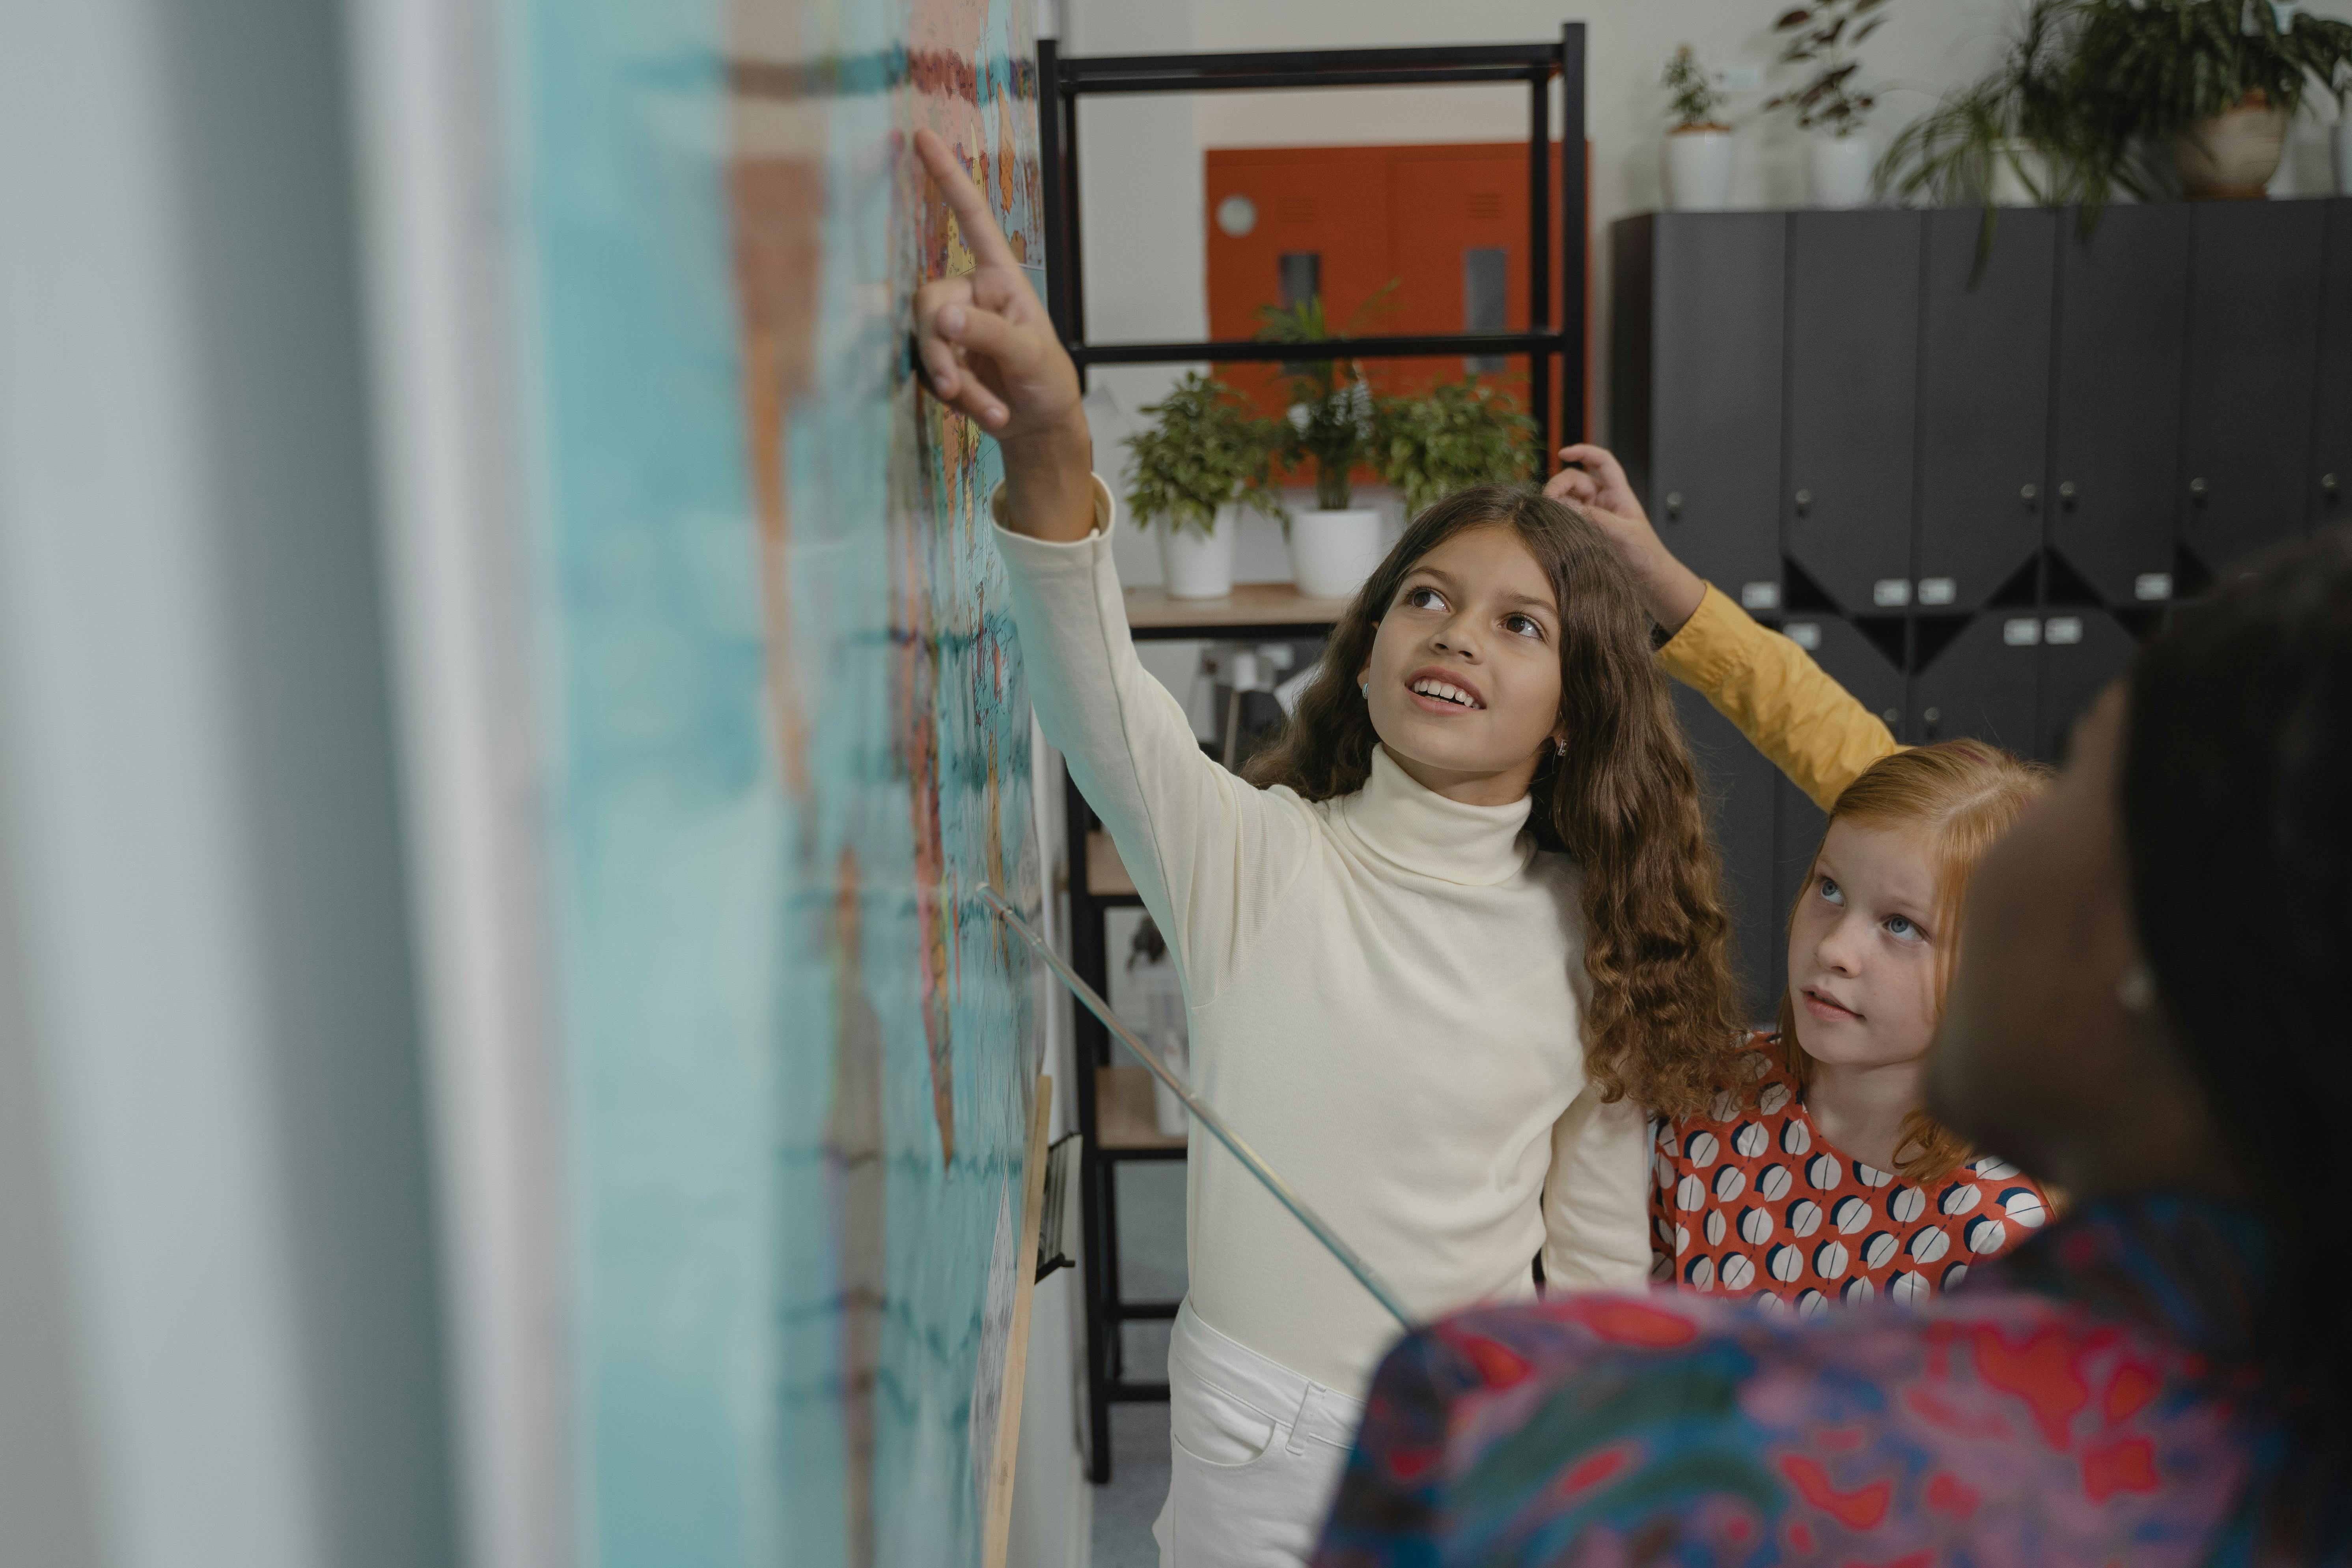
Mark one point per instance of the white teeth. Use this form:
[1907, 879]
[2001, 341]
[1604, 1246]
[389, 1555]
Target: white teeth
[1444, 690]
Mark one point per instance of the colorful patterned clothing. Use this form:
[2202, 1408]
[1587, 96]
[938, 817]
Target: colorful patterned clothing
[2088, 1400]
[1748, 1199]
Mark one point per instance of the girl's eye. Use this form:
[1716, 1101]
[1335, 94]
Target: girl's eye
[1424, 598]
[1832, 892]
[1524, 626]
[1902, 928]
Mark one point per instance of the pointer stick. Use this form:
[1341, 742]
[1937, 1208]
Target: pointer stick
[1209, 1119]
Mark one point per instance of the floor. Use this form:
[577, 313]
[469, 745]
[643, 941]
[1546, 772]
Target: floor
[1151, 1266]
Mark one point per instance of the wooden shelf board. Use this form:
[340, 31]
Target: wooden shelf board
[1123, 1114]
[1106, 872]
[1249, 604]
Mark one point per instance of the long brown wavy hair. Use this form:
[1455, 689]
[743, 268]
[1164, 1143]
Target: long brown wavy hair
[1661, 1020]
[1962, 795]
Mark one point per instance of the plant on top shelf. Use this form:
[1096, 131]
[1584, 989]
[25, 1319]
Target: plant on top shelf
[1692, 92]
[2016, 133]
[1461, 433]
[1333, 426]
[2198, 93]
[1825, 35]
[1331, 403]
[1205, 450]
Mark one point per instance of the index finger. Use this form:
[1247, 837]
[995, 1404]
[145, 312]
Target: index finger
[972, 209]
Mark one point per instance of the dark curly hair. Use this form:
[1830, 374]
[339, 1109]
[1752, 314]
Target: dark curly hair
[1662, 1018]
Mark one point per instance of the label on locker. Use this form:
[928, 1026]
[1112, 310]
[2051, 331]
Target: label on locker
[1891, 592]
[1938, 590]
[2063, 629]
[1759, 595]
[2152, 586]
[1805, 635]
[2024, 631]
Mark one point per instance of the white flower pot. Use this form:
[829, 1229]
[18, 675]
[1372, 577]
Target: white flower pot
[1331, 553]
[2343, 156]
[1837, 170]
[2232, 156]
[1199, 565]
[1699, 169]
[2021, 174]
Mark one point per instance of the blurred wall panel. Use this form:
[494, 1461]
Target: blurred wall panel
[210, 1028]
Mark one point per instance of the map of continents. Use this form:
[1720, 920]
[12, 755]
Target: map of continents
[790, 742]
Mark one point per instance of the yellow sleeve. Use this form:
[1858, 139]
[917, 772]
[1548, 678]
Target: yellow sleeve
[1811, 727]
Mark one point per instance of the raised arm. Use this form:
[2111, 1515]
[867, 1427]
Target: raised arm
[1209, 854]
[1811, 728]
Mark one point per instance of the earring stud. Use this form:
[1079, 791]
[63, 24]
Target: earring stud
[1560, 745]
[1364, 688]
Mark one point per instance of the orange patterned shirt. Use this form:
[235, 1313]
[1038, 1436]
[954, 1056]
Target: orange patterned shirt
[1748, 1199]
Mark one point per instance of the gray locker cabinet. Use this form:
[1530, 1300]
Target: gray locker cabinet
[1984, 402]
[1853, 661]
[1697, 396]
[2253, 367]
[1984, 685]
[1852, 390]
[1736, 781]
[2331, 431]
[2114, 458]
[2082, 651]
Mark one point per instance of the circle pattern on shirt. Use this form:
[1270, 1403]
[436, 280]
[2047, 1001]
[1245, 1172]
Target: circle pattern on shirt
[1748, 1200]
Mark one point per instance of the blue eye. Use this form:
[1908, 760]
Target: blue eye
[1832, 892]
[1903, 928]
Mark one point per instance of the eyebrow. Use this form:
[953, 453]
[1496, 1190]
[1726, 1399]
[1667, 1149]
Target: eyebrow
[1451, 581]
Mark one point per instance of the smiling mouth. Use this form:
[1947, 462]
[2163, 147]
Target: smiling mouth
[1825, 1008]
[1444, 691]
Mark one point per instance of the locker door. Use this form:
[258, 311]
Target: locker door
[2081, 650]
[1738, 784]
[2115, 422]
[1853, 661]
[1984, 395]
[1715, 488]
[1982, 686]
[1854, 362]
[2253, 367]
[2331, 454]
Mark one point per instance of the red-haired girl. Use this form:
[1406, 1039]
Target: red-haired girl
[1817, 1176]
[1458, 927]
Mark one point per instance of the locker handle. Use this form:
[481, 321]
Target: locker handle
[1804, 503]
[2029, 494]
[2067, 493]
[2197, 488]
[1934, 716]
[1674, 505]
[2328, 486]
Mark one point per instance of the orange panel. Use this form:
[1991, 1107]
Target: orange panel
[1374, 213]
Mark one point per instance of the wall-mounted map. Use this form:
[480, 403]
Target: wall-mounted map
[790, 742]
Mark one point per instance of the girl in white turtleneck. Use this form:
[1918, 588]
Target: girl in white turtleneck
[1457, 928]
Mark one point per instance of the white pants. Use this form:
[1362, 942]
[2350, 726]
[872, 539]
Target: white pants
[1255, 1453]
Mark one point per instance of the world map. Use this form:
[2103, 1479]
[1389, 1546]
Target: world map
[790, 743]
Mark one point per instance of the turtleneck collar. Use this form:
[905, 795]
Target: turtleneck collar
[1423, 832]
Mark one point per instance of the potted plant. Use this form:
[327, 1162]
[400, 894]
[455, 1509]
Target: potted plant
[1698, 147]
[2014, 138]
[1824, 35]
[1205, 456]
[1331, 430]
[2196, 95]
[1463, 432]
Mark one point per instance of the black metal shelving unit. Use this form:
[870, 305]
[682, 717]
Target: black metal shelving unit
[1062, 82]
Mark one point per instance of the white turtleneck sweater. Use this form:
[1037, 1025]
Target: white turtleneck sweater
[1384, 997]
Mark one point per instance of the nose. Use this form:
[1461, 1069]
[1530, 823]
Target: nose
[1840, 949]
[1456, 634]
